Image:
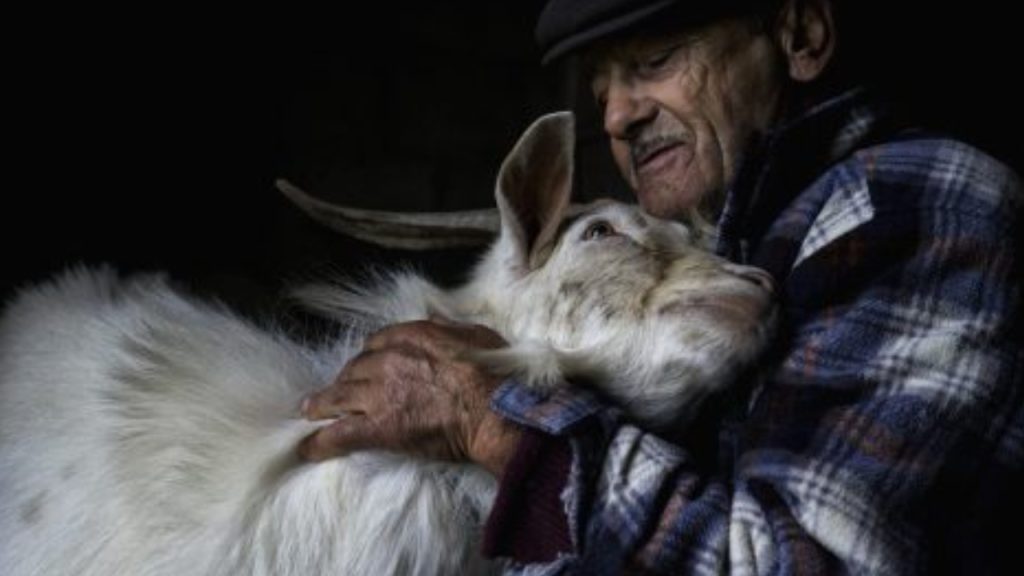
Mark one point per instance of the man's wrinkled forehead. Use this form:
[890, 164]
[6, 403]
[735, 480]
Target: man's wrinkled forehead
[625, 48]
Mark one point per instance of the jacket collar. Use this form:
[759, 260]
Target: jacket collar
[783, 162]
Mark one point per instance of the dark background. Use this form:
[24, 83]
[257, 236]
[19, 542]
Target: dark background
[151, 140]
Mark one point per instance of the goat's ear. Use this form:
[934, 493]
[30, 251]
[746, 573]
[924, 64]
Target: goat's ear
[534, 188]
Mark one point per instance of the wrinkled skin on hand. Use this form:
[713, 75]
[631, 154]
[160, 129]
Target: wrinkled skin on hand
[413, 390]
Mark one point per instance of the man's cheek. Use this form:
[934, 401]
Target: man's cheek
[621, 156]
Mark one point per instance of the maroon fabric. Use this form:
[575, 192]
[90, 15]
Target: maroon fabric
[528, 522]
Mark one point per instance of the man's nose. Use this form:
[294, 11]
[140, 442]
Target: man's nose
[626, 110]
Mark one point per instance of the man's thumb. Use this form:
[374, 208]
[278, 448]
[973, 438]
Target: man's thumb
[343, 436]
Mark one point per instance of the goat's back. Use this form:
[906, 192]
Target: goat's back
[143, 432]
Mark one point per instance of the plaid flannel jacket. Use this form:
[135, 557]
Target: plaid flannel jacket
[887, 432]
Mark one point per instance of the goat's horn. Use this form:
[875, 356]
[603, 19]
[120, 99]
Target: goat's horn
[407, 231]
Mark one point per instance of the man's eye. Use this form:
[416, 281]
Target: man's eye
[657, 60]
[598, 229]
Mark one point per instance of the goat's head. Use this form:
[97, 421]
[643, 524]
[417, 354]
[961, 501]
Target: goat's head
[619, 295]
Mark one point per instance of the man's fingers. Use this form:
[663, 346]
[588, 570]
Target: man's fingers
[339, 438]
[399, 335]
[353, 389]
[340, 397]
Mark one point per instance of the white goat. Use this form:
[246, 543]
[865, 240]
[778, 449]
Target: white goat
[143, 432]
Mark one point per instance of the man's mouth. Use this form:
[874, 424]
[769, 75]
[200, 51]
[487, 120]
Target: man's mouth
[651, 155]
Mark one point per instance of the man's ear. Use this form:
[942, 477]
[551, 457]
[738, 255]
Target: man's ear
[807, 36]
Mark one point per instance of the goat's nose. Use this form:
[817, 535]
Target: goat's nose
[754, 275]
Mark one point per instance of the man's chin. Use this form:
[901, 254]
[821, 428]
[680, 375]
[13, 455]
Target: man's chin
[668, 203]
[664, 210]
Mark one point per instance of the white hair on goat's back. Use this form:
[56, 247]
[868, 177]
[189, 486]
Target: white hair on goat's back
[145, 432]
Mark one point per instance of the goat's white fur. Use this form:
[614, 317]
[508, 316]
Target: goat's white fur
[143, 432]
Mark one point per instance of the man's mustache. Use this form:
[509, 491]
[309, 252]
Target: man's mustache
[644, 147]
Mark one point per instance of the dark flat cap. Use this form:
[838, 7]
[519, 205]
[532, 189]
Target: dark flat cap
[565, 25]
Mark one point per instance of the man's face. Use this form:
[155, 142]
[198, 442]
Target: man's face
[681, 109]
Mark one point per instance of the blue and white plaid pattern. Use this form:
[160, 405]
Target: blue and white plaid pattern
[891, 422]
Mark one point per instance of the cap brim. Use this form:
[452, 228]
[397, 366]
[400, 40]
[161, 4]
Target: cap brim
[605, 29]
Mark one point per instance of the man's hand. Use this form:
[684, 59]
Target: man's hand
[413, 390]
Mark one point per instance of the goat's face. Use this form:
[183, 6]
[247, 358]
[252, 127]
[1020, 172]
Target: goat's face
[634, 293]
[615, 274]
[614, 262]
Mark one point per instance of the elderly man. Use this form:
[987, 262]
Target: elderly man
[887, 428]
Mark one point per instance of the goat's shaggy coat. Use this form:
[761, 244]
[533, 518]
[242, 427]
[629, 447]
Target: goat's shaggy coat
[143, 432]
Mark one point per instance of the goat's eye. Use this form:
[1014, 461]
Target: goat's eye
[598, 229]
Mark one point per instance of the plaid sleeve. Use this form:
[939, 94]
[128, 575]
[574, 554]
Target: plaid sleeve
[887, 436]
